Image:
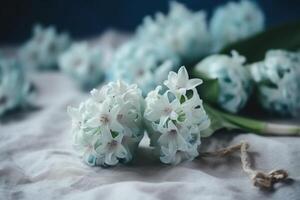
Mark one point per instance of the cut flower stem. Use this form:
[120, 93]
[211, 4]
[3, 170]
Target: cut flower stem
[231, 121]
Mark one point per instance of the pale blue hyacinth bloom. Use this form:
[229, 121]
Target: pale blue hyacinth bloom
[235, 21]
[146, 64]
[184, 31]
[108, 127]
[43, 49]
[176, 118]
[84, 63]
[277, 78]
[14, 87]
[234, 79]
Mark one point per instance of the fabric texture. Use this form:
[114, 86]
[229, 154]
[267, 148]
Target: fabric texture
[37, 160]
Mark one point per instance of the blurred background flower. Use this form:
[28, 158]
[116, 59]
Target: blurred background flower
[85, 64]
[184, 31]
[42, 50]
[278, 82]
[144, 63]
[235, 21]
[15, 87]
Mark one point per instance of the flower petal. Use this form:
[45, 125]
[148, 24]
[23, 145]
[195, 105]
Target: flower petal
[192, 83]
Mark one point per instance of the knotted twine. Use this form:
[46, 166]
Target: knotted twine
[260, 179]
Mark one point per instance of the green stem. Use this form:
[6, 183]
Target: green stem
[231, 121]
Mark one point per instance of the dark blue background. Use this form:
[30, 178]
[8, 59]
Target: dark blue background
[90, 17]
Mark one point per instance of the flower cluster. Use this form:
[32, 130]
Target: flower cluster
[14, 86]
[234, 79]
[84, 63]
[184, 31]
[146, 64]
[235, 21]
[176, 118]
[108, 127]
[43, 49]
[177, 37]
[277, 78]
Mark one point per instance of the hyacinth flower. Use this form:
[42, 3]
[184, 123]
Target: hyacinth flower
[43, 49]
[235, 90]
[175, 118]
[108, 126]
[85, 64]
[146, 64]
[14, 86]
[235, 21]
[184, 31]
[278, 83]
[233, 79]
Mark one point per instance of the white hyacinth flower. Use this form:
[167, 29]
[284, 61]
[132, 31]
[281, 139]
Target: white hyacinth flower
[184, 31]
[235, 21]
[112, 150]
[84, 63]
[233, 78]
[145, 64]
[108, 127]
[175, 157]
[180, 83]
[14, 86]
[277, 78]
[43, 49]
[176, 118]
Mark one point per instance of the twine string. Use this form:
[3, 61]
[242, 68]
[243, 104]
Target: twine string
[260, 179]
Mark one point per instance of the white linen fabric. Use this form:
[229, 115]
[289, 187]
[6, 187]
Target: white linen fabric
[37, 160]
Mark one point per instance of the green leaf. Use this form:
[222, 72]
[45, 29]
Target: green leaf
[285, 36]
[209, 89]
